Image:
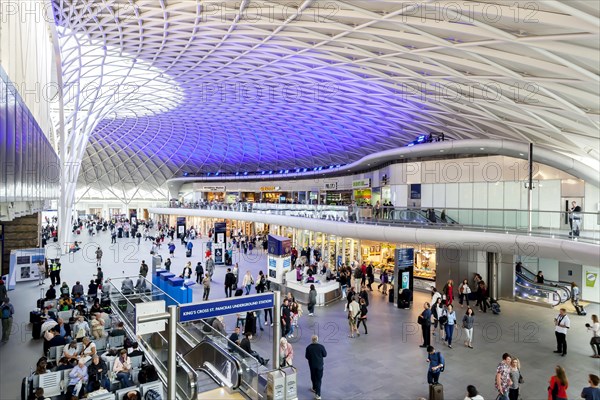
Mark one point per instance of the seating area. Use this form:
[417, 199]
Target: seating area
[72, 339]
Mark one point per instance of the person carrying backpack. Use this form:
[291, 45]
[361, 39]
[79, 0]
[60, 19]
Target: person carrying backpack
[6, 311]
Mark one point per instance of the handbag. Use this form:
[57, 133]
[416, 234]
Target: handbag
[521, 379]
[443, 319]
[420, 320]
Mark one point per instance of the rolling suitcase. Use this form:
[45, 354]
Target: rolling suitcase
[436, 391]
[35, 316]
[580, 310]
[391, 296]
[36, 331]
[188, 253]
[239, 292]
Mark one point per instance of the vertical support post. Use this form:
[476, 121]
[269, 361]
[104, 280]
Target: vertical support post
[343, 251]
[172, 357]
[276, 327]
[530, 189]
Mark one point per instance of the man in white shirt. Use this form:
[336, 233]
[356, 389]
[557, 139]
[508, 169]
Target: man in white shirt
[562, 325]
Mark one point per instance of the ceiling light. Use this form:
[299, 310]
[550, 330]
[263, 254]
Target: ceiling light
[481, 148]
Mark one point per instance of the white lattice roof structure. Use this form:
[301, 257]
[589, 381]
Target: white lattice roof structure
[206, 86]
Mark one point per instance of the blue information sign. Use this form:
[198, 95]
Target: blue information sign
[209, 309]
[405, 257]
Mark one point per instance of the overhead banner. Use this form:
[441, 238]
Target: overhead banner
[330, 186]
[213, 188]
[211, 309]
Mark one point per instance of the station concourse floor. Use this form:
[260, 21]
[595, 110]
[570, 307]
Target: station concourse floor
[385, 364]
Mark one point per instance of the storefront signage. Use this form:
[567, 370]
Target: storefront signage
[331, 186]
[210, 309]
[361, 184]
[269, 188]
[213, 188]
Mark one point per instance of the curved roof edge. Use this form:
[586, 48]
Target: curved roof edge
[532, 246]
[452, 147]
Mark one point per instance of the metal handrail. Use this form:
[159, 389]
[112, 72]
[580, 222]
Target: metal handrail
[148, 350]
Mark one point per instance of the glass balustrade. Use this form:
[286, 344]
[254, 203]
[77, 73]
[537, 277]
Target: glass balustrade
[554, 224]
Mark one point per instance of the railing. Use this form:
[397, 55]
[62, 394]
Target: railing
[544, 223]
[155, 345]
[249, 366]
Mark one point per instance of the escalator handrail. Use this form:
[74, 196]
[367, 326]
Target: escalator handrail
[546, 290]
[552, 288]
[226, 354]
[560, 285]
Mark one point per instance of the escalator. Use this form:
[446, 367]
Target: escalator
[205, 382]
[550, 292]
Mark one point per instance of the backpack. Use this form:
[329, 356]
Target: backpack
[152, 394]
[5, 312]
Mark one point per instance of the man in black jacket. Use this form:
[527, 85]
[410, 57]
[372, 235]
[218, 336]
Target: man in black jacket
[286, 318]
[315, 353]
[229, 282]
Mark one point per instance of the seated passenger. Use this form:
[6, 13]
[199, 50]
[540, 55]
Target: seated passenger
[63, 364]
[65, 303]
[78, 378]
[127, 286]
[64, 289]
[97, 326]
[51, 293]
[98, 373]
[92, 289]
[122, 367]
[148, 374]
[71, 352]
[89, 348]
[118, 331]
[77, 289]
[81, 329]
[140, 285]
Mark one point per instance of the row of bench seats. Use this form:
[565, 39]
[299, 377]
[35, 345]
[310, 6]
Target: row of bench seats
[56, 383]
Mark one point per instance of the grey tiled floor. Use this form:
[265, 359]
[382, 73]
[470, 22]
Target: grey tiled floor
[385, 364]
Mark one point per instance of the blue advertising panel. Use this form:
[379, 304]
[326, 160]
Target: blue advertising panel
[405, 257]
[210, 309]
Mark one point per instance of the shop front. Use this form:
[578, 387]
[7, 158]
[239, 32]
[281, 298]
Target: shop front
[232, 197]
[250, 197]
[382, 256]
[362, 192]
[338, 197]
[274, 194]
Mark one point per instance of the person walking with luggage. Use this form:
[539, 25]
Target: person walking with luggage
[189, 246]
[187, 271]
[467, 324]
[562, 325]
[98, 256]
[315, 353]
[436, 365]
[6, 311]
[425, 322]
[206, 287]
[503, 381]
